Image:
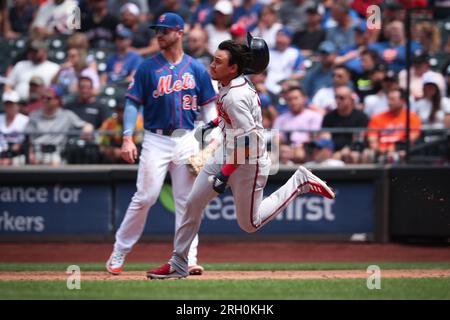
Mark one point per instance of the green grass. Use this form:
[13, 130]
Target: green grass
[432, 288]
[428, 288]
[228, 266]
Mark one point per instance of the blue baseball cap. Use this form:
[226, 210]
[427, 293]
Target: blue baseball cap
[323, 143]
[327, 47]
[287, 32]
[169, 20]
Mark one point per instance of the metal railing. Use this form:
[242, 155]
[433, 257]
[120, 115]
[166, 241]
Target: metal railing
[102, 147]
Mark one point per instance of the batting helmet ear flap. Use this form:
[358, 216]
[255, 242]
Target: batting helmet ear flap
[259, 53]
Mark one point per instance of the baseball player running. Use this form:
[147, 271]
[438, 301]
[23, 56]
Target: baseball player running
[239, 112]
[172, 87]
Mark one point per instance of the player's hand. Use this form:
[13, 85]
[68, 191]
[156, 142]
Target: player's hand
[219, 182]
[128, 150]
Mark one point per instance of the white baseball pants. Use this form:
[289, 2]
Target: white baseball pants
[159, 154]
[252, 212]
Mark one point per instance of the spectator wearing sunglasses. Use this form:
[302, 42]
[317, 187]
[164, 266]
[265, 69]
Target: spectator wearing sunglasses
[324, 100]
[50, 127]
[348, 146]
[389, 143]
[37, 64]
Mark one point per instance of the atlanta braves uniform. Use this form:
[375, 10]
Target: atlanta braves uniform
[173, 97]
[238, 107]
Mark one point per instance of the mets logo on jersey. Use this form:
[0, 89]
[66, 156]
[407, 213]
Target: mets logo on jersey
[221, 111]
[165, 85]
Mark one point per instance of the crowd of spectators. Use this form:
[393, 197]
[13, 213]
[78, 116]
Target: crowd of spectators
[334, 87]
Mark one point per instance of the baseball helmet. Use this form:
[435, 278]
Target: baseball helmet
[260, 54]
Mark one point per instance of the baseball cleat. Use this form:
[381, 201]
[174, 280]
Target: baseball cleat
[196, 270]
[311, 183]
[166, 271]
[115, 263]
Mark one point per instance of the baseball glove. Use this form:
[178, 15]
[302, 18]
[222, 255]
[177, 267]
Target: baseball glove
[196, 162]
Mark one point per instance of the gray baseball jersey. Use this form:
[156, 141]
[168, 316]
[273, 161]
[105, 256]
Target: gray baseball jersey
[239, 108]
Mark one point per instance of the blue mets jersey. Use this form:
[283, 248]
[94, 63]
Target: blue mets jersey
[171, 94]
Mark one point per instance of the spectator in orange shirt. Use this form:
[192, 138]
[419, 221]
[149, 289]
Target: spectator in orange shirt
[386, 143]
[111, 140]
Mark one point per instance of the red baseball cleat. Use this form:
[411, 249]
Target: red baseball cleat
[312, 183]
[166, 271]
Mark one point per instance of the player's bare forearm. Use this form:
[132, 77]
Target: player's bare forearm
[128, 150]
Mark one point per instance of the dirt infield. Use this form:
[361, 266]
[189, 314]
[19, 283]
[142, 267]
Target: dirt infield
[227, 252]
[231, 275]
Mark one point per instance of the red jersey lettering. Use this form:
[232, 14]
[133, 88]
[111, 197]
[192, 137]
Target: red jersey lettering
[221, 112]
